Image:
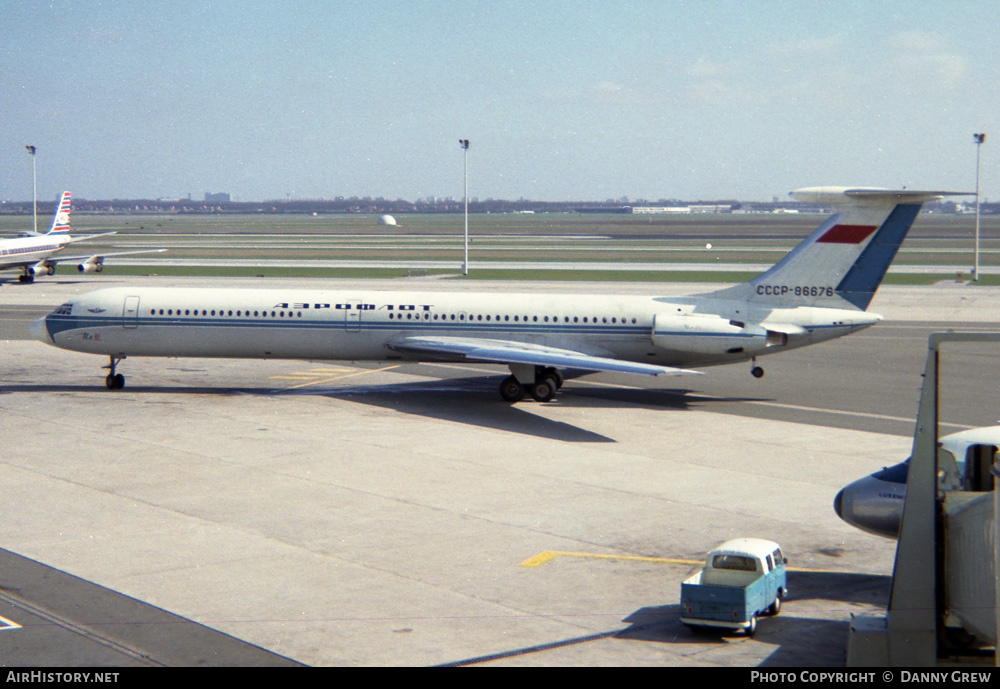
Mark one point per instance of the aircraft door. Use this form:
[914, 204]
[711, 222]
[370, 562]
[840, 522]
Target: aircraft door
[978, 463]
[352, 314]
[130, 313]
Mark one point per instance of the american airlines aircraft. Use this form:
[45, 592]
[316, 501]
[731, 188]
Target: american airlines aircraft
[818, 292]
[35, 253]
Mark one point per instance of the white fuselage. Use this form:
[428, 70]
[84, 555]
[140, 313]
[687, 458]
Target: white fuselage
[363, 324]
[22, 251]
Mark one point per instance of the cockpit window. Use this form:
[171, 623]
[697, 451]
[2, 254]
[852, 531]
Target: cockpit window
[64, 310]
[894, 474]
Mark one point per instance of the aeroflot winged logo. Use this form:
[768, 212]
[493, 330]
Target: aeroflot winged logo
[97, 310]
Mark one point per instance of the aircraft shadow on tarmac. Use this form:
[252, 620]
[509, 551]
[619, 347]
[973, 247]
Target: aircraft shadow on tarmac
[474, 401]
[469, 400]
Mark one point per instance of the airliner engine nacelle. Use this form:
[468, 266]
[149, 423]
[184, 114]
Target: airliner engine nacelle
[707, 334]
[90, 266]
[42, 267]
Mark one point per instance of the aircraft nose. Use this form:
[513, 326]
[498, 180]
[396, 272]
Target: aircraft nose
[838, 504]
[40, 331]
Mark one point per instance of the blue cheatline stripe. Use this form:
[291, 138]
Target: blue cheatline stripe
[57, 324]
[859, 284]
[60, 323]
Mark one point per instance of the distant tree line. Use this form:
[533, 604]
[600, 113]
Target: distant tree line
[368, 205]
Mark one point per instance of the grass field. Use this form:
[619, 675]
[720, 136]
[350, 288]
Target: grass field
[936, 241]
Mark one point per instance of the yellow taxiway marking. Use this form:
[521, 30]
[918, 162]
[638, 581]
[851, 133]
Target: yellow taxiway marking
[320, 380]
[313, 373]
[548, 555]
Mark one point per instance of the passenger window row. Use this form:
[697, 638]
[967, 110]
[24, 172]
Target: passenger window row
[614, 320]
[223, 313]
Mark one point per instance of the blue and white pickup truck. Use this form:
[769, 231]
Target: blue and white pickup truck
[742, 579]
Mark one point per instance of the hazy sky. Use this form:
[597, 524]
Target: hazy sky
[562, 100]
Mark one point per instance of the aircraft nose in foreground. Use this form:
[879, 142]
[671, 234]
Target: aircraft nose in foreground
[838, 504]
[39, 331]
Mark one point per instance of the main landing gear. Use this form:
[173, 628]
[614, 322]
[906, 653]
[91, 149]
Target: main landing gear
[114, 381]
[547, 381]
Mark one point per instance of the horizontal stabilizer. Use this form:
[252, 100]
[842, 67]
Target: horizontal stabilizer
[836, 196]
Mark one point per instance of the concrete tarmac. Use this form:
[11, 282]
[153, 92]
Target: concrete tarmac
[351, 514]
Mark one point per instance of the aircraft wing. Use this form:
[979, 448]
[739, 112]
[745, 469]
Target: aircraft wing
[100, 256]
[508, 352]
[86, 237]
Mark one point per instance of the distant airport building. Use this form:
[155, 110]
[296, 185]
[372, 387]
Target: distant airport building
[650, 210]
[696, 208]
[220, 197]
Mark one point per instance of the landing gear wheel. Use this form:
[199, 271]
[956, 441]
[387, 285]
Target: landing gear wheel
[545, 389]
[757, 372]
[26, 278]
[115, 380]
[511, 389]
[775, 607]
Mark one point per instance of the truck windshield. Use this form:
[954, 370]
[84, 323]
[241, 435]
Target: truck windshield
[737, 562]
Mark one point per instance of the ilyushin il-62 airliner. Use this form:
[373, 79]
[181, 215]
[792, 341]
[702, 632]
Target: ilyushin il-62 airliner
[818, 292]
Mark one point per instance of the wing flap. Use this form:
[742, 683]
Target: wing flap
[507, 352]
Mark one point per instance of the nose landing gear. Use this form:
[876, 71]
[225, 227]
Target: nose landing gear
[114, 381]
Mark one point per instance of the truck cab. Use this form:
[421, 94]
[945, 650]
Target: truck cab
[741, 579]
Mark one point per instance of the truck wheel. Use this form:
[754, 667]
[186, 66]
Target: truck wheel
[752, 629]
[775, 607]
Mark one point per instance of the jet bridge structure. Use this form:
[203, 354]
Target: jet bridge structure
[943, 604]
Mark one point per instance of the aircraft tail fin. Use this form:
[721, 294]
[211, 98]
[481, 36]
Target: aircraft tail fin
[60, 220]
[845, 258]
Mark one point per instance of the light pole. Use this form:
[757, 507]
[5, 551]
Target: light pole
[464, 143]
[980, 139]
[34, 186]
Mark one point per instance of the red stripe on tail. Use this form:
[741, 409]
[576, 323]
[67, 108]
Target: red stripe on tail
[847, 234]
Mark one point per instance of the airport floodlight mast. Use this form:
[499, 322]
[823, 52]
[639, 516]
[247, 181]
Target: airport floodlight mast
[980, 139]
[34, 186]
[464, 143]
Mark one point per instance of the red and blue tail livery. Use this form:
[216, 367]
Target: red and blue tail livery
[38, 254]
[842, 263]
[60, 221]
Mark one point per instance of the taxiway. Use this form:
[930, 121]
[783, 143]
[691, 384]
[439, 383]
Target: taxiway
[332, 514]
